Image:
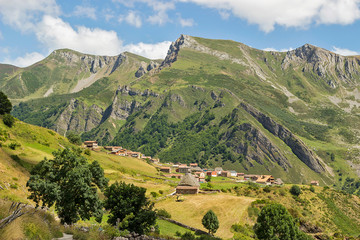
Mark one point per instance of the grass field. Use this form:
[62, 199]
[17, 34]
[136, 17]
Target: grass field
[169, 229]
[229, 209]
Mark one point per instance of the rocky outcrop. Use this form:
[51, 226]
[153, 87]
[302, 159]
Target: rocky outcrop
[185, 41]
[91, 63]
[143, 69]
[297, 146]
[331, 67]
[78, 117]
[245, 139]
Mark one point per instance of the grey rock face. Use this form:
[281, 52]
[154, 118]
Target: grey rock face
[254, 145]
[78, 117]
[297, 146]
[331, 67]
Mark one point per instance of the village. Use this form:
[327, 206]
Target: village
[190, 175]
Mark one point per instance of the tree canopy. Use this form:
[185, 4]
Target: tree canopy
[129, 204]
[295, 190]
[210, 222]
[5, 104]
[276, 223]
[69, 182]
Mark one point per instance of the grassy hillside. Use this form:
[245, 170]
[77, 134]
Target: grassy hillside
[184, 111]
[236, 206]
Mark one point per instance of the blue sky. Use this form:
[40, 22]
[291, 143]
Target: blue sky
[31, 29]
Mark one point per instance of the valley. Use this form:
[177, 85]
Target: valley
[217, 103]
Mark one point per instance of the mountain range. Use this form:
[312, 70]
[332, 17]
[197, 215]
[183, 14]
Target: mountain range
[292, 114]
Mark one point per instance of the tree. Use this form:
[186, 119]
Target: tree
[5, 104]
[129, 207]
[295, 190]
[210, 222]
[73, 138]
[276, 223]
[70, 183]
[8, 120]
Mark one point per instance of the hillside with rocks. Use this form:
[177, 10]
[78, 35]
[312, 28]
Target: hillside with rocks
[293, 114]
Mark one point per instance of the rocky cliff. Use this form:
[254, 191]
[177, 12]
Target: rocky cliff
[297, 146]
[331, 67]
[245, 139]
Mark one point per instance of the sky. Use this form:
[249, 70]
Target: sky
[31, 29]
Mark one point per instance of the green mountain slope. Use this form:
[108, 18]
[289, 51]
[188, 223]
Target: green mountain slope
[218, 102]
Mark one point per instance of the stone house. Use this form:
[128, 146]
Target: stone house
[188, 185]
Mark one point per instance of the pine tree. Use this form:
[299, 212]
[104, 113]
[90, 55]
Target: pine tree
[5, 104]
[210, 222]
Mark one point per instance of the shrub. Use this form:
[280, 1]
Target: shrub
[188, 236]
[312, 189]
[163, 213]
[295, 190]
[154, 194]
[87, 152]
[73, 138]
[14, 186]
[267, 189]
[8, 120]
[161, 192]
[282, 192]
[13, 145]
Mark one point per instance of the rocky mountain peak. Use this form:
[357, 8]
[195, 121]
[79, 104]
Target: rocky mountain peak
[333, 68]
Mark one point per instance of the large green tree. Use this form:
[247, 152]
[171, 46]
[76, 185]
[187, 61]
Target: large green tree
[276, 223]
[5, 104]
[129, 207]
[70, 183]
[210, 222]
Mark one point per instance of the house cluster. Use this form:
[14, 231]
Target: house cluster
[117, 150]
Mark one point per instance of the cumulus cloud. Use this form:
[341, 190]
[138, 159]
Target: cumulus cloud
[152, 51]
[188, 22]
[82, 11]
[344, 51]
[42, 18]
[27, 60]
[23, 14]
[294, 13]
[54, 33]
[131, 18]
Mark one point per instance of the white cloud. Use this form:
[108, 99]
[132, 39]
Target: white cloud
[82, 11]
[160, 9]
[344, 51]
[288, 13]
[1, 36]
[27, 60]
[224, 14]
[55, 33]
[131, 18]
[152, 51]
[22, 14]
[188, 22]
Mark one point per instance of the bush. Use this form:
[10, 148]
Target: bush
[295, 190]
[73, 138]
[163, 213]
[188, 236]
[8, 120]
[87, 152]
[154, 194]
[282, 192]
[312, 189]
[13, 145]
[161, 192]
[267, 189]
